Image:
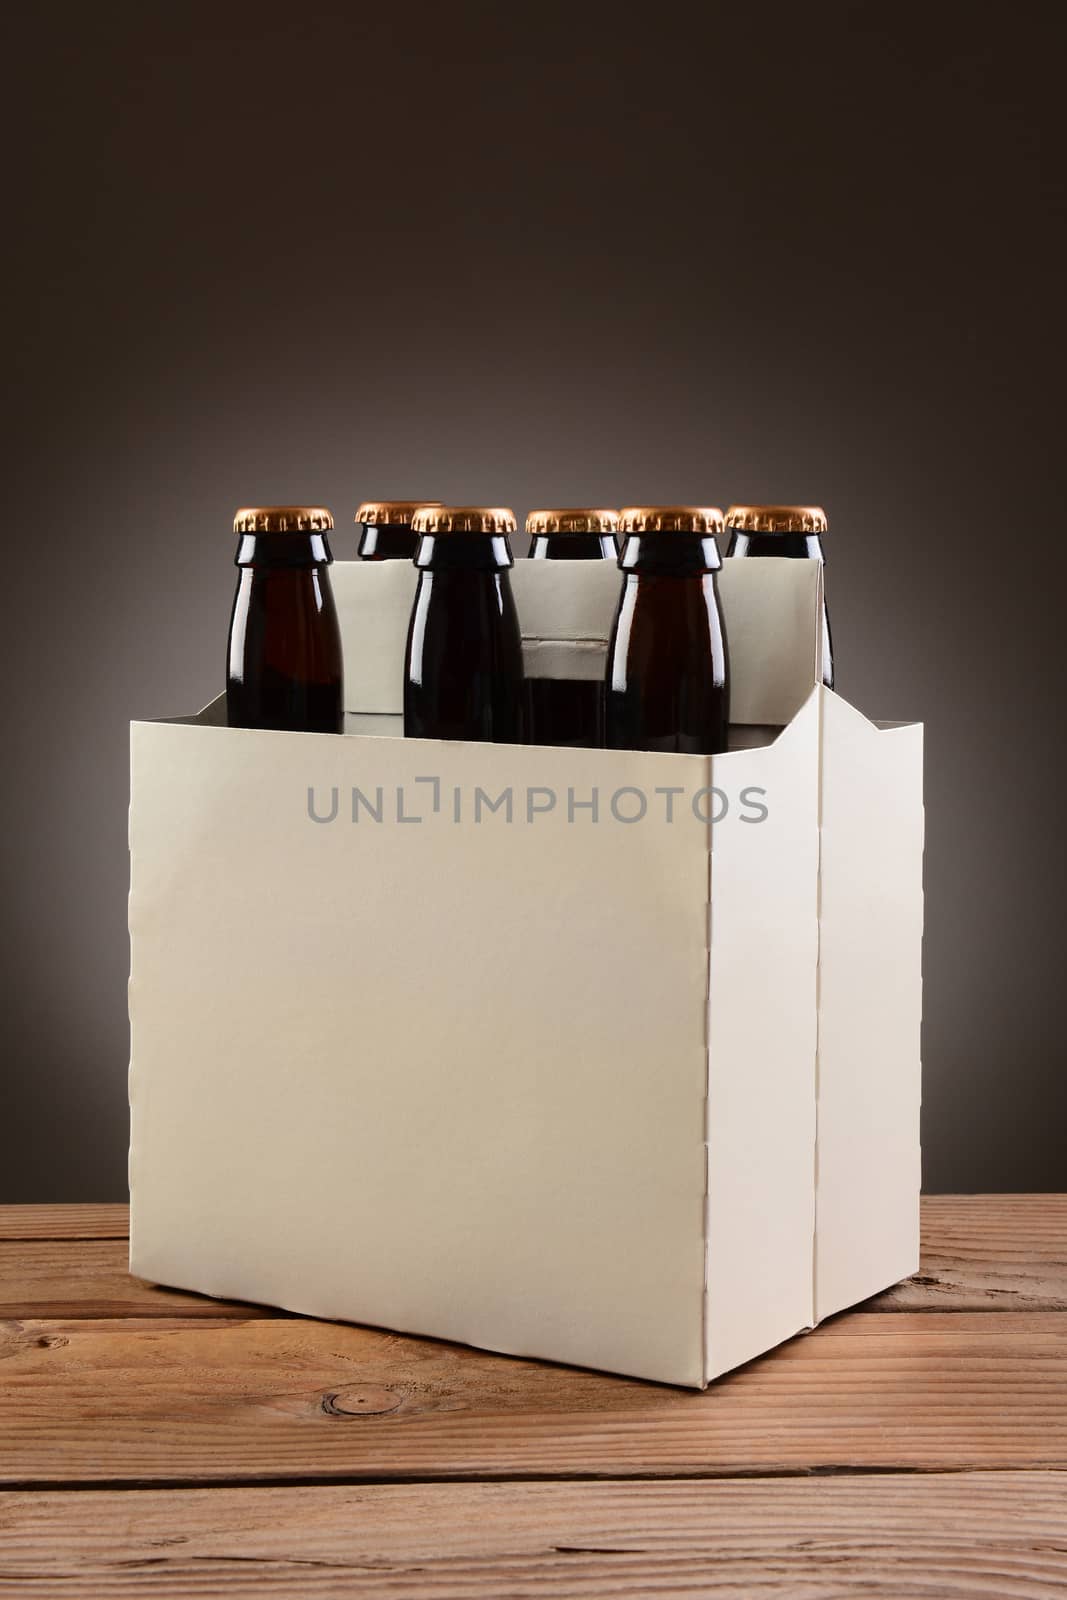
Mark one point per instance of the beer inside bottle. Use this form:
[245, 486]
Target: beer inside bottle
[569, 711]
[667, 683]
[463, 676]
[284, 665]
[387, 532]
[789, 531]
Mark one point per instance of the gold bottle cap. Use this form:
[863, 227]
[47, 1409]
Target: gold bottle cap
[670, 519]
[573, 519]
[777, 519]
[463, 519]
[390, 513]
[282, 519]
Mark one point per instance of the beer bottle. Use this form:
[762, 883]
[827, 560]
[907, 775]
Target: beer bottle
[578, 533]
[387, 532]
[569, 711]
[284, 665]
[667, 683]
[463, 674]
[784, 531]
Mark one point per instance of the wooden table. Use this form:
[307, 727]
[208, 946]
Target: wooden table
[156, 1443]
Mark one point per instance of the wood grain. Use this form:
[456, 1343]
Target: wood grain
[848, 1462]
[65, 1222]
[153, 1400]
[91, 1278]
[957, 1537]
[980, 1253]
[1003, 1252]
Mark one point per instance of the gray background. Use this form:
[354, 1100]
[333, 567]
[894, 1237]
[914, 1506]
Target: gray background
[537, 256]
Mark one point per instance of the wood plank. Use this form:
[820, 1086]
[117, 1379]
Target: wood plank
[90, 1278]
[958, 1535]
[65, 1222]
[993, 1252]
[152, 1400]
[980, 1253]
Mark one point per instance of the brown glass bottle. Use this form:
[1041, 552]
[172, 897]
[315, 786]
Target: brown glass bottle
[284, 663]
[569, 711]
[387, 532]
[463, 676]
[789, 531]
[667, 684]
[574, 533]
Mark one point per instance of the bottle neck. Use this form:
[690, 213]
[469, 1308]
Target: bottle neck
[387, 541]
[670, 555]
[470, 552]
[573, 547]
[279, 550]
[795, 545]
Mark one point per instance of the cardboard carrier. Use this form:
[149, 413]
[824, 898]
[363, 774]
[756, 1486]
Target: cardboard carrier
[598, 1056]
